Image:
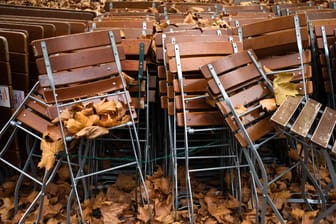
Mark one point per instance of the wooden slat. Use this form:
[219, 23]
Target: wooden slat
[75, 42]
[83, 90]
[197, 119]
[255, 132]
[34, 121]
[306, 118]
[80, 75]
[226, 63]
[286, 110]
[234, 78]
[191, 86]
[325, 127]
[202, 48]
[79, 59]
[272, 25]
[6, 9]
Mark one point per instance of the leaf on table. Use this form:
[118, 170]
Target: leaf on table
[92, 132]
[49, 150]
[283, 87]
[268, 104]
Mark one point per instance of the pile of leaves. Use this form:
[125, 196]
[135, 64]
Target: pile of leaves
[91, 121]
[121, 203]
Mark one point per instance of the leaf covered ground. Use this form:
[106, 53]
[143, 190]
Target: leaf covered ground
[117, 203]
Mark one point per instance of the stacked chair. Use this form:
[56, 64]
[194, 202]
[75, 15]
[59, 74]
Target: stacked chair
[197, 130]
[75, 71]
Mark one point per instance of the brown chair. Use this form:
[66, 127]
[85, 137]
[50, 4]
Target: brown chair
[312, 123]
[75, 70]
[237, 85]
[195, 125]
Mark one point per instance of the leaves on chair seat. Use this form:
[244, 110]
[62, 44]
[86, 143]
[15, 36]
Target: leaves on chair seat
[92, 132]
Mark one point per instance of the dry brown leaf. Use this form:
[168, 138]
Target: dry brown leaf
[116, 195]
[125, 182]
[6, 206]
[105, 107]
[92, 132]
[111, 212]
[240, 109]
[268, 104]
[294, 154]
[49, 150]
[129, 80]
[162, 208]
[65, 115]
[73, 126]
[287, 175]
[210, 220]
[266, 69]
[144, 213]
[189, 19]
[217, 208]
[297, 213]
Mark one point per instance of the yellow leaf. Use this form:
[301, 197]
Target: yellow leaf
[268, 104]
[283, 87]
[49, 149]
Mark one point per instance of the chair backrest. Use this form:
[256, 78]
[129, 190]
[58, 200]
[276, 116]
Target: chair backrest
[19, 57]
[323, 33]
[6, 102]
[184, 60]
[83, 66]
[282, 44]
[6, 9]
[237, 86]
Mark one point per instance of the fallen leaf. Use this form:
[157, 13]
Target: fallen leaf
[268, 104]
[105, 107]
[49, 150]
[111, 212]
[144, 213]
[92, 132]
[283, 87]
[297, 213]
[125, 182]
